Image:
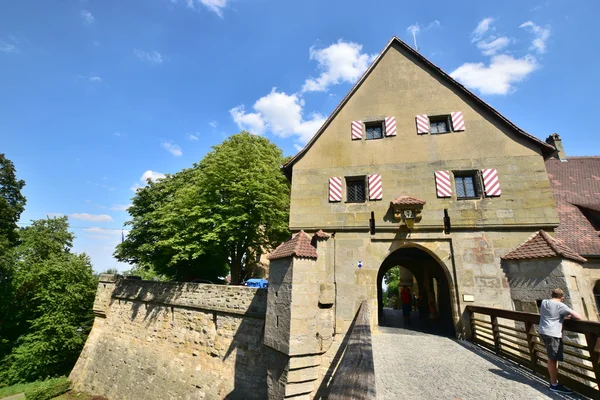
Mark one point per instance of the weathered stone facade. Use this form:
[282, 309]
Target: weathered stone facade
[458, 266]
[154, 340]
[401, 85]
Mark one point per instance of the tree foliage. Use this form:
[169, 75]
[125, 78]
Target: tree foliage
[221, 213]
[51, 304]
[12, 203]
[392, 281]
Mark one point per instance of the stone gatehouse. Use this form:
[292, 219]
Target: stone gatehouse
[414, 170]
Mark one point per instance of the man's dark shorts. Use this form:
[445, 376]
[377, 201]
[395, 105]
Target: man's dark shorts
[554, 347]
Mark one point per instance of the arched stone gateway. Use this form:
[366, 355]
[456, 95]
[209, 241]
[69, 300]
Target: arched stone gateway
[433, 285]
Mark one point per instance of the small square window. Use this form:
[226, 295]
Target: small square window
[467, 185]
[439, 124]
[355, 190]
[374, 130]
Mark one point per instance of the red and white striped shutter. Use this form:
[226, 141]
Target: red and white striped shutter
[422, 124]
[442, 184]
[375, 187]
[491, 182]
[458, 123]
[357, 130]
[335, 189]
[390, 126]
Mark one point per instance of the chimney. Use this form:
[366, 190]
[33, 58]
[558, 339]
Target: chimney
[555, 141]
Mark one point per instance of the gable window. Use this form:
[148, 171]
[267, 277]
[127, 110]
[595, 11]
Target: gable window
[467, 185]
[374, 130]
[439, 124]
[355, 190]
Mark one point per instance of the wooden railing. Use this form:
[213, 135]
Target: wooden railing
[512, 334]
[355, 376]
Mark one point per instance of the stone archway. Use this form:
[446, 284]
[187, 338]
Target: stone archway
[433, 282]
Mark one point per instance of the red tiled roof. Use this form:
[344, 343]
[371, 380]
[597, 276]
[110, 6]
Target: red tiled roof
[576, 187]
[542, 245]
[321, 235]
[299, 246]
[408, 201]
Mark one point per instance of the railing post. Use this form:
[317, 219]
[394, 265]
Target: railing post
[592, 345]
[496, 334]
[472, 323]
[531, 341]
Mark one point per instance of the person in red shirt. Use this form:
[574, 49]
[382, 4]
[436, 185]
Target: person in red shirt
[406, 299]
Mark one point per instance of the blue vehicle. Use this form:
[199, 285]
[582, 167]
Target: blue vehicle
[257, 283]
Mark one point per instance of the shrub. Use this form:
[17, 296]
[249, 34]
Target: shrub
[49, 389]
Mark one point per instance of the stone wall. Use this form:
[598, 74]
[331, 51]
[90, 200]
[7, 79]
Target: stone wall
[156, 340]
[533, 280]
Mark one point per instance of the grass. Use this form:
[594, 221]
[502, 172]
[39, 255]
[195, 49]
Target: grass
[78, 396]
[41, 390]
[19, 388]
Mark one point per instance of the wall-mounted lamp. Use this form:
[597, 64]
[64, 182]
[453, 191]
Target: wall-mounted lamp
[407, 210]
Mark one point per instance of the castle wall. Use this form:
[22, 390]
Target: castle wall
[159, 340]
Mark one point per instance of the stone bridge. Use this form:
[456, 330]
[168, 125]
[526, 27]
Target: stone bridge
[411, 364]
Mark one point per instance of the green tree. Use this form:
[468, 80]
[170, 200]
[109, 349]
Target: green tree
[223, 212]
[52, 304]
[392, 280]
[12, 204]
[147, 274]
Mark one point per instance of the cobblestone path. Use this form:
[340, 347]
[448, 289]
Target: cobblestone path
[416, 365]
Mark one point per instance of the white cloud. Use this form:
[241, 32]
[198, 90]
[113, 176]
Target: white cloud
[414, 29]
[192, 136]
[153, 56]
[492, 46]
[152, 176]
[251, 122]
[214, 124]
[92, 217]
[215, 6]
[95, 79]
[540, 34]
[87, 17]
[499, 76]
[340, 62]
[172, 148]
[148, 175]
[120, 207]
[7, 47]
[482, 28]
[281, 114]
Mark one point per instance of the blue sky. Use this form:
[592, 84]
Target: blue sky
[97, 95]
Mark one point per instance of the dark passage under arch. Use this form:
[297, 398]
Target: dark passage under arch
[432, 284]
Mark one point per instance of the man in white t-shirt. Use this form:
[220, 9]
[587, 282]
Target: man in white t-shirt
[552, 314]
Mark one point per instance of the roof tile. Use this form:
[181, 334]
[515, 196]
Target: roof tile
[576, 188]
[299, 246]
[542, 245]
[408, 201]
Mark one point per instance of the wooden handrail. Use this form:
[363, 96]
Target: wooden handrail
[569, 325]
[355, 376]
[578, 381]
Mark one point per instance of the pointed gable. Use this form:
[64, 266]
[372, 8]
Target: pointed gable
[299, 245]
[408, 87]
[542, 245]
